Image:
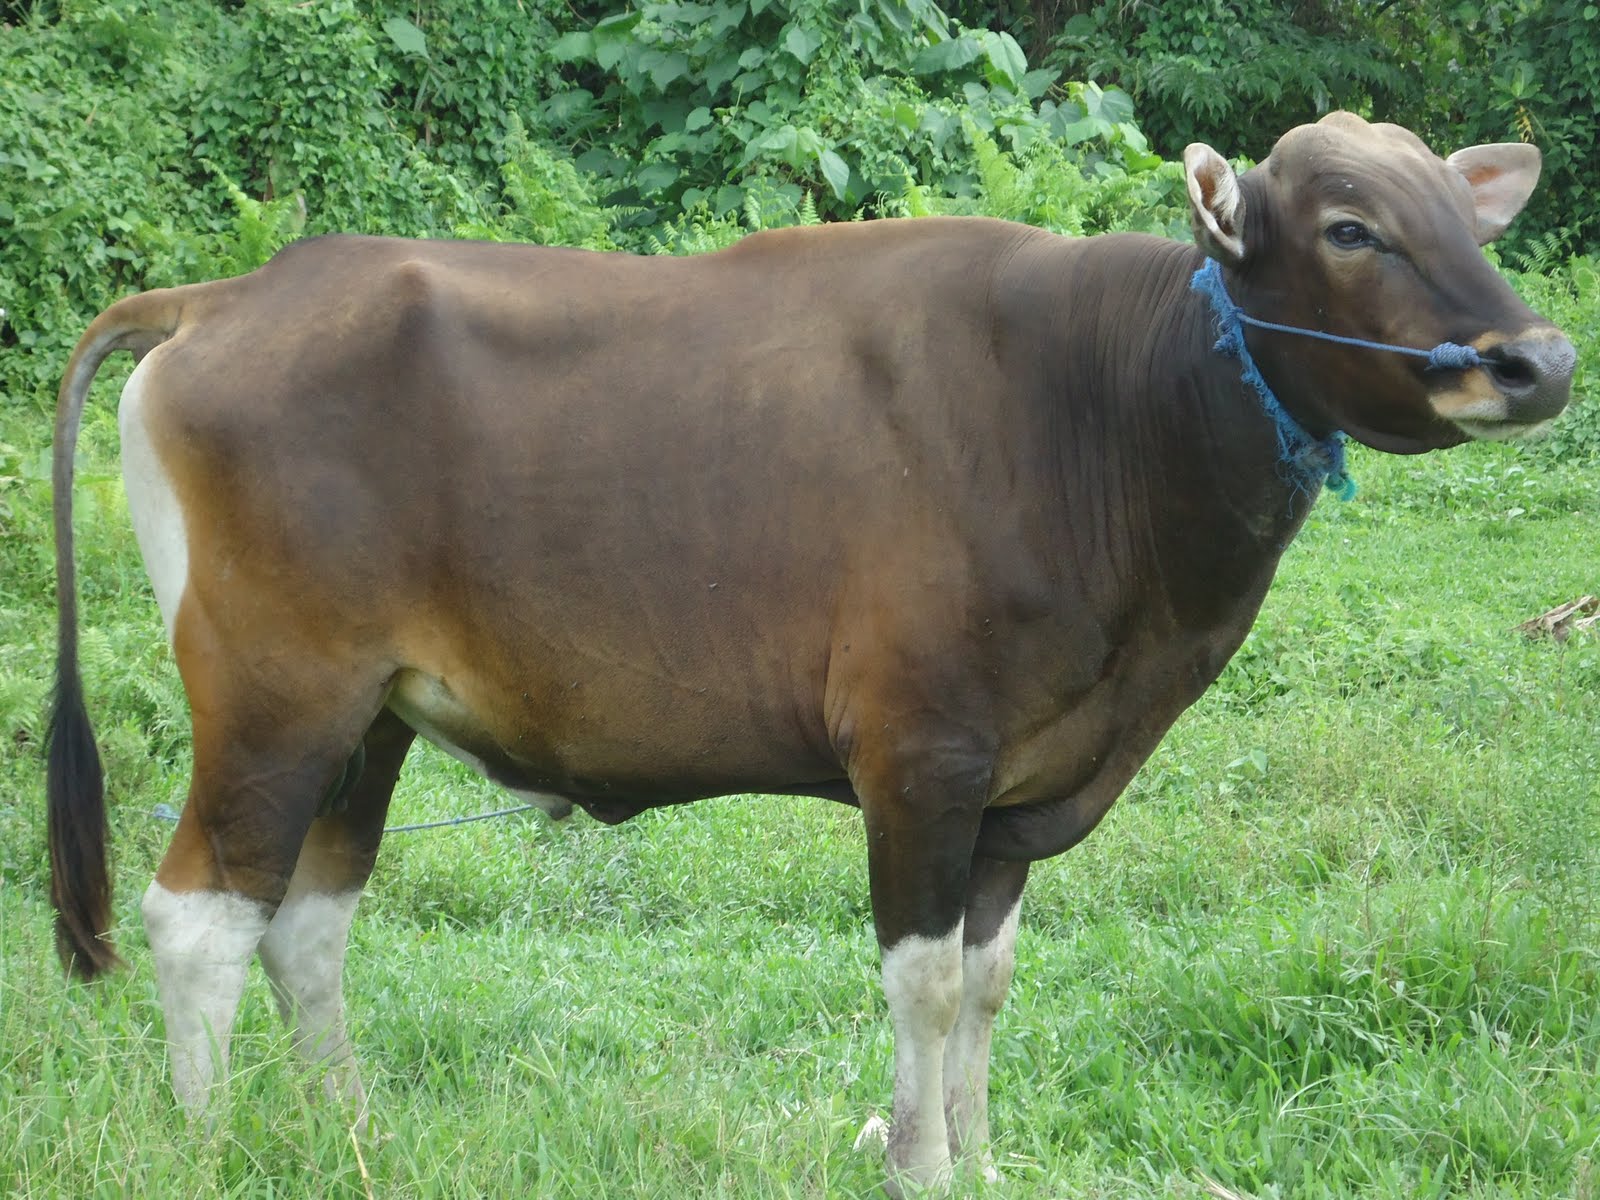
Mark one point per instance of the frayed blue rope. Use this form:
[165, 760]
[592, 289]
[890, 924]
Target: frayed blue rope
[1312, 461]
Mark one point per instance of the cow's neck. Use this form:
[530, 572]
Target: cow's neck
[1310, 459]
[1146, 418]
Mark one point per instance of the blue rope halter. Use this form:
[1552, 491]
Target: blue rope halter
[1311, 460]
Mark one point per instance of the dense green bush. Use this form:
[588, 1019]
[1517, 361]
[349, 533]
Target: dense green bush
[95, 174]
[300, 106]
[681, 105]
[1237, 73]
[1515, 70]
[151, 142]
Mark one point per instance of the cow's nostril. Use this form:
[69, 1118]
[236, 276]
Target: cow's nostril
[1511, 372]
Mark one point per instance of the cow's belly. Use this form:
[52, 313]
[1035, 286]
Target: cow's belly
[620, 764]
[425, 704]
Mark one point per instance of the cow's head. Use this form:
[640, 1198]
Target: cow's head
[1360, 230]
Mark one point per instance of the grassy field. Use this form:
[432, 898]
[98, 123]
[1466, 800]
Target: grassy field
[1341, 938]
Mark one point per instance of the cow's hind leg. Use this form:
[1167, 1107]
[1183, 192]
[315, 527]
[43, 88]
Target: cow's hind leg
[988, 956]
[304, 947]
[269, 744]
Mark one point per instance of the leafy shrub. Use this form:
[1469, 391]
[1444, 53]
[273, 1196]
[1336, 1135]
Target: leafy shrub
[302, 107]
[544, 199]
[684, 105]
[1516, 70]
[93, 165]
[1236, 73]
[465, 77]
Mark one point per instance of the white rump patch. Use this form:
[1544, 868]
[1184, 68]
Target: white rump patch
[158, 521]
[201, 943]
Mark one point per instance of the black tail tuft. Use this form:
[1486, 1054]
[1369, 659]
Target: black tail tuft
[80, 883]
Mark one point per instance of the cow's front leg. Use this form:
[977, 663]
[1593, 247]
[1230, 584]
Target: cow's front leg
[920, 831]
[988, 955]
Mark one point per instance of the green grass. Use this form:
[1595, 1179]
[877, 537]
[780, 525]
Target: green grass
[1341, 938]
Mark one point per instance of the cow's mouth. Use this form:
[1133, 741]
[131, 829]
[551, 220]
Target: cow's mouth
[1502, 431]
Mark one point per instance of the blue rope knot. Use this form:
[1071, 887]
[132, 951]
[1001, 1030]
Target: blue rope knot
[1448, 356]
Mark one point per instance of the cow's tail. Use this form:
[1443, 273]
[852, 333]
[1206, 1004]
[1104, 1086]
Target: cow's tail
[80, 881]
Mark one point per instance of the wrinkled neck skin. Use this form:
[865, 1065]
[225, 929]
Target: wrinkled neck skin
[1150, 430]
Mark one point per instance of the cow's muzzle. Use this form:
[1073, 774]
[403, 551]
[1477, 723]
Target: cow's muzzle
[1520, 384]
[1532, 374]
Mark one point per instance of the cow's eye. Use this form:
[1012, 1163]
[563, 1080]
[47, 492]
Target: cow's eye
[1349, 235]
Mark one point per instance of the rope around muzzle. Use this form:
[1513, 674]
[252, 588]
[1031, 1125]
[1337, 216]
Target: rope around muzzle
[1312, 460]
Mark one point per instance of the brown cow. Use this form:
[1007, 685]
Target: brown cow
[946, 518]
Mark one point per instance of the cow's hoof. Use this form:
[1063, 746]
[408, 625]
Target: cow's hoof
[874, 1133]
[918, 1184]
[927, 1180]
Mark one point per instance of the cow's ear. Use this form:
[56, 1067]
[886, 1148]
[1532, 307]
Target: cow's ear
[1216, 203]
[1502, 176]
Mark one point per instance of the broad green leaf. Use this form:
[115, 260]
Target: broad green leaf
[1081, 130]
[407, 38]
[667, 112]
[577, 46]
[1037, 83]
[611, 39]
[669, 67]
[654, 177]
[949, 55]
[779, 141]
[717, 72]
[802, 43]
[617, 26]
[1132, 136]
[698, 118]
[1006, 59]
[1111, 105]
[836, 171]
